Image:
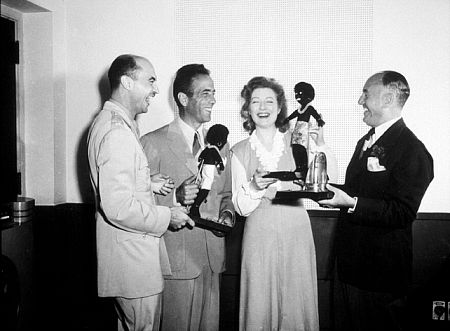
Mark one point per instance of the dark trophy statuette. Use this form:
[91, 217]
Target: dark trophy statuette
[311, 180]
[210, 162]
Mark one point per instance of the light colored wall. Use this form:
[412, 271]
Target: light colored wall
[334, 57]
[67, 50]
[39, 111]
[97, 32]
[57, 96]
[411, 36]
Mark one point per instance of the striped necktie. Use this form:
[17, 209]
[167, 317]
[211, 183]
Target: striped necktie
[196, 144]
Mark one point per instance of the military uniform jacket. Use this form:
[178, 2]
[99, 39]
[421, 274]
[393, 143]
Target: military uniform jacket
[129, 223]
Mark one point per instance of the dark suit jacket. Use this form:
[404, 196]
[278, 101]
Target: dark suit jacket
[374, 243]
[189, 249]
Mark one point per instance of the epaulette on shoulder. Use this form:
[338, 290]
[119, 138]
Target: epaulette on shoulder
[116, 119]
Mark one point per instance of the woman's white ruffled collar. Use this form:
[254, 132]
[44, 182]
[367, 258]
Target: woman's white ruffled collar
[268, 160]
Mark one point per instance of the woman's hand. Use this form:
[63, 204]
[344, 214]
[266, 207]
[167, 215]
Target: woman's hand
[259, 182]
[317, 136]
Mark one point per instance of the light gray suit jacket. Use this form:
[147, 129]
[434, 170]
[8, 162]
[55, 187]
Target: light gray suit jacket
[189, 249]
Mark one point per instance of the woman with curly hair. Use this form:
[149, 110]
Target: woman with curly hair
[278, 275]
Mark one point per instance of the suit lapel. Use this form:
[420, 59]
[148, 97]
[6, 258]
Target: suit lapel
[356, 163]
[390, 137]
[180, 148]
[387, 140]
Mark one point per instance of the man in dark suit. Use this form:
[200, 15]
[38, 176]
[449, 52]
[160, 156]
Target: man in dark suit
[196, 256]
[385, 182]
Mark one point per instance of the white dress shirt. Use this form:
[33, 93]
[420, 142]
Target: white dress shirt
[188, 133]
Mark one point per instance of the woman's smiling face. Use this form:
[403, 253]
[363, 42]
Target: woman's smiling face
[264, 107]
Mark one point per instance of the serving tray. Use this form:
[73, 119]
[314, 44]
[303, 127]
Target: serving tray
[293, 195]
[282, 175]
[210, 225]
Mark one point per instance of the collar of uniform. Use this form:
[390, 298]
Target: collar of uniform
[117, 107]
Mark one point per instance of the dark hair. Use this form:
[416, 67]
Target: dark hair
[217, 135]
[397, 83]
[306, 88]
[183, 80]
[123, 65]
[246, 94]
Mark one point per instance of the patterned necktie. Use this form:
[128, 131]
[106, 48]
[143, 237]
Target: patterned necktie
[368, 141]
[370, 137]
[196, 144]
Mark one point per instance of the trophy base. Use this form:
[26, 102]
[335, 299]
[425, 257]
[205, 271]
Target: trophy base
[293, 195]
[210, 225]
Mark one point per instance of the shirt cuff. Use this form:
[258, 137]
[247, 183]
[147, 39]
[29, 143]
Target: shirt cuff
[352, 210]
[252, 193]
[175, 202]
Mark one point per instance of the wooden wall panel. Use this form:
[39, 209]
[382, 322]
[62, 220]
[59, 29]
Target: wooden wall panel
[55, 255]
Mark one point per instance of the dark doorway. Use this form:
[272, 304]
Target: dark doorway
[9, 178]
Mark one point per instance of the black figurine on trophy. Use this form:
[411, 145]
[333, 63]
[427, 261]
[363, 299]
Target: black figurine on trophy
[304, 94]
[310, 176]
[209, 160]
[210, 163]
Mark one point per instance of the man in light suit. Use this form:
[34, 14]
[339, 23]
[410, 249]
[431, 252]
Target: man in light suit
[129, 224]
[385, 182]
[197, 256]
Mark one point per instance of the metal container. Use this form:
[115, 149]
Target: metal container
[317, 178]
[22, 209]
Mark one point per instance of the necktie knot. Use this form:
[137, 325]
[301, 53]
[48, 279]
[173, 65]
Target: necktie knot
[371, 137]
[368, 141]
[195, 144]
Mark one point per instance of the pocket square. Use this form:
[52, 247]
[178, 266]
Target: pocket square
[373, 164]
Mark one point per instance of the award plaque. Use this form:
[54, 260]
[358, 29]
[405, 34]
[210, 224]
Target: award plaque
[210, 225]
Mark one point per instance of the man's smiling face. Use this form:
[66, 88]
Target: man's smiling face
[199, 106]
[371, 100]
